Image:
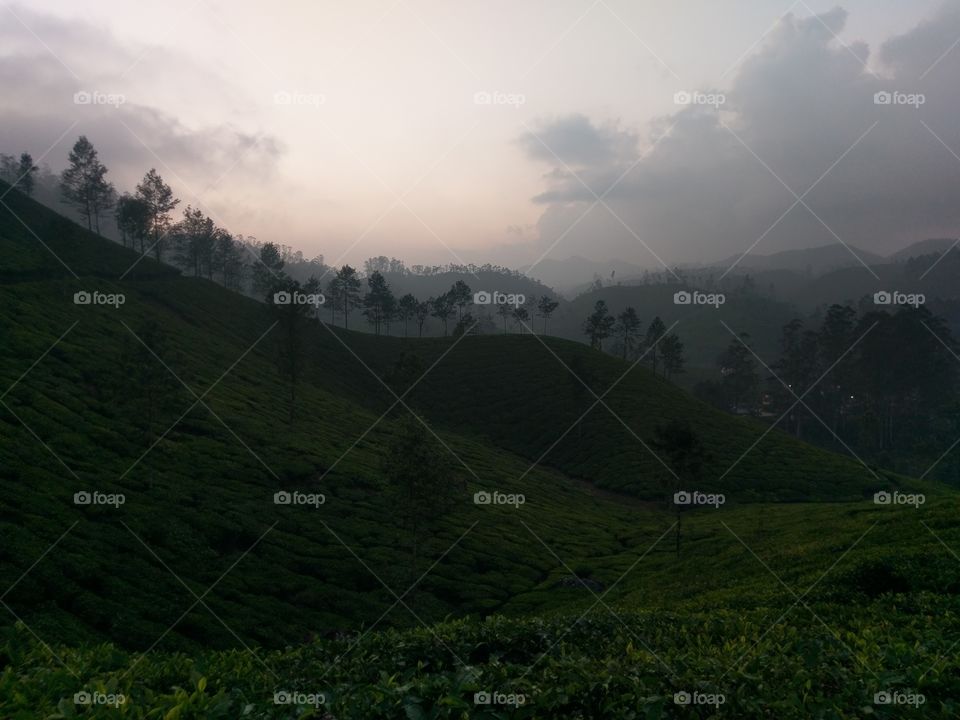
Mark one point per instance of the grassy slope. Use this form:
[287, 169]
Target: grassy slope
[200, 500]
[526, 393]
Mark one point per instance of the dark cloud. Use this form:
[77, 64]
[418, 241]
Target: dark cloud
[43, 68]
[799, 114]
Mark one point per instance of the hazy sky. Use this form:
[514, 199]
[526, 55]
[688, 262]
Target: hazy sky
[484, 131]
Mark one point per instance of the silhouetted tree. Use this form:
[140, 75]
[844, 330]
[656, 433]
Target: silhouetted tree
[406, 309]
[148, 386]
[133, 220]
[505, 314]
[378, 303]
[461, 295]
[682, 450]
[158, 197]
[195, 237]
[26, 172]
[349, 291]
[418, 475]
[84, 185]
[443, 309]
[269, 271]
[291, 313]
[628, 329]
[654, 334]
[671, 352]
[422, 312]
[598, 325]
[228, 259]
[334, 299]
[520, 317]
[545, 308]
[738, 371]
[799, 366]
[835, 338]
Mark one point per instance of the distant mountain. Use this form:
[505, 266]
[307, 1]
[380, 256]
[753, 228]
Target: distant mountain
[573, 274]
[814, 260]
[924, 247]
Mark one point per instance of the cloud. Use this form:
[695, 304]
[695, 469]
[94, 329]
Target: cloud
[47, 63]
[800, 117]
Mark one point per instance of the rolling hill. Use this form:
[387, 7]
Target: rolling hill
[173, 401]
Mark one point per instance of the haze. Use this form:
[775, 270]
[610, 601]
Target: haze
[454, 132]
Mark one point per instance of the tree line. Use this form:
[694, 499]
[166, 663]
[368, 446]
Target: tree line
[885, 384]
[660, 349]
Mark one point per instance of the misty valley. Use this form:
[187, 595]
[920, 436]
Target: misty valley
[680, 438]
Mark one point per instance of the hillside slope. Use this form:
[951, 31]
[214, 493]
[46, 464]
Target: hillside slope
[86, 408]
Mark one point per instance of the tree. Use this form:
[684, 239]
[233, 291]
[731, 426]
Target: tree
[269, 270]
[905, 370]
[158, 197]
[26, 172]
[133, 220]
[520, 318]
[835, 338]
[671, 352]
[545, 308]
[422, 312]
[598, 325]
[406, 309]
[291, 317]
[334, 296]
[654, 334]
[738, 371]
[379, 302]
[228, 259]
[504, 311]
[799, 366]
[147, 386]
[684, 453]
[195, 238]
[418, 476]
[8, 168]
[443, 309]
[460, 295]
[84, 185]
[349, 291]
[628, 329]
[464, 325]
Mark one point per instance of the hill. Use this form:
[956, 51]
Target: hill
[170, 406]
[813, 260]
[700, 328]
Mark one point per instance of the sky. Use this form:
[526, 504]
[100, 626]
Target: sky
[509, 132]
